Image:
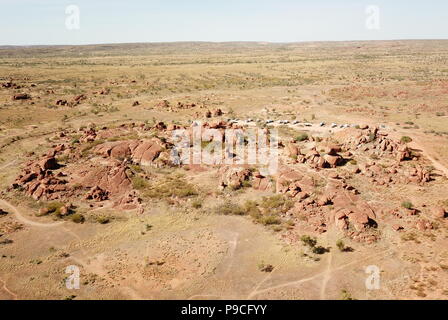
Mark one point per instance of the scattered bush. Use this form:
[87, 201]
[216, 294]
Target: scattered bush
[407, 205]
[345, 295]
[341, 245]
[269, 220]
[230, 209]
[406, 139]
[276, 204]
[252, 209]
[77, 218]
[171, 186]
[302, 137]
[139, 183]
[196, 204]
[309, 241]
[102, 220]
[265, 267]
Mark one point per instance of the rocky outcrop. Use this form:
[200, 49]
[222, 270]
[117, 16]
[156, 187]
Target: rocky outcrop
[316, 160]
[233, 176]
[294, 183]
[438, 212]
[97, 194]
[21, 96]
[217, 112]
[261, 182]
[144, 152]
[129, 201]
[112, 179]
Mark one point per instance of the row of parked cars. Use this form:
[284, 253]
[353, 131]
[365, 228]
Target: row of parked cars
[295, 122]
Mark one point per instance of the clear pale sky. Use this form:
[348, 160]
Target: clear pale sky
[31, 22]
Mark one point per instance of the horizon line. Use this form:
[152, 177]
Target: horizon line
[215, 42]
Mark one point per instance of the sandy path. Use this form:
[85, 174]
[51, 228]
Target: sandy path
[320, 274]
[91, 267]
[25, 220]
[8, 164]
[327, 276]
[13, 295]
[438, 165]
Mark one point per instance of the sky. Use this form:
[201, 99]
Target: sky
[46, 22]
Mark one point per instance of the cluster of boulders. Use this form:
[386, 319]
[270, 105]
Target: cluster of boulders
[385, 176]
[182, 105]
[402, 214]
[330, 158]
[166, 106]
[10, 85]
[417, 174]
[236, 177]
[322, 198]
[371, 140]
[110, 182]
[214, 113]
[294, 183]
[104, 91]
[61, 102]
[144, 152]
[233, 176]
[72, 103]
[42, 180]
[77, 100]
[111, 178]
[21, 96]
[97, 194]
[331, 201]
[38, 180]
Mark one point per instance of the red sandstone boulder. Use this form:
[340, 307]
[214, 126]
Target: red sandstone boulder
[21, 96]
[97, 194]
[233, 177]
[438, 212]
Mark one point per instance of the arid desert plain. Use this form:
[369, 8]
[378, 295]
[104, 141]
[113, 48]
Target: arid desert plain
[355, 209]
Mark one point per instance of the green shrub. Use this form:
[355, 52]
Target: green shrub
[319, 250]
[139, 183]
[251, 208]
[345, 295]
[309, 241]
[276, 204]
[51, 208]
[102, 220]
[407, 205]
[301, 137]
[406, 139]
[341, 245]
[77, 218]
[269, 220]
[230, 209]
[197, 204]
[170, 186]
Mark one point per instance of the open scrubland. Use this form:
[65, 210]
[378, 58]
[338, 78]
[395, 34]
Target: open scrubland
[87, 177]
